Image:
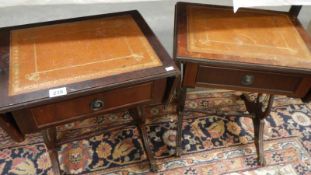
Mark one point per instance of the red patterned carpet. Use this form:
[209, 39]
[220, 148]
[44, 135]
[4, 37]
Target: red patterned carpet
[212, 145]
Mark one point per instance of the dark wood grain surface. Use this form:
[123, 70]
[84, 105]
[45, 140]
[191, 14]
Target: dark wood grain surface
[262, 81]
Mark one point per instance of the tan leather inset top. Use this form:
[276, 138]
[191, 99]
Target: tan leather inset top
[56, 55]
[248, 36]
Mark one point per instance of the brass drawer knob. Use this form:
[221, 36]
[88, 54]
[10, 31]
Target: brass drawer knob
[97, 105]
[247, 80]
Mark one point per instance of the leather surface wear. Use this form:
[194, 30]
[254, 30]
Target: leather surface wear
[259, 37]
[60, 54]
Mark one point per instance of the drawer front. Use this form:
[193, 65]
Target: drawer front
[93, 104]
[248, 80]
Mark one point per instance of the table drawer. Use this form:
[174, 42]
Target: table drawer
[88, 105]
[246, 79]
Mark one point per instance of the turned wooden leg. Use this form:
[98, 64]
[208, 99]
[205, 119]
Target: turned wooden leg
[259, 114]
[50, 140]
[8, 124]
[180, 112]
[138, 116]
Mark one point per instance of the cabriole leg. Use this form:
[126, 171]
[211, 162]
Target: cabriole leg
[260, 109]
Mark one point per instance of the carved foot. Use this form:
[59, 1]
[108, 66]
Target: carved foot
[179, 152]
[261, 161]
[154, 167]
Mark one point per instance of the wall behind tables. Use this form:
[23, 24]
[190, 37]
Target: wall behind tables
[158, 14]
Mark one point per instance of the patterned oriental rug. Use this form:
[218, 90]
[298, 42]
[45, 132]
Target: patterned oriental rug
[212, 144]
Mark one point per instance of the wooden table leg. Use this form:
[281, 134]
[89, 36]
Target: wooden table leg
[180, 111]
[50, 139]
[259, 125]
[307, 98]
[256, 109]
[8, 124]
[138, 116]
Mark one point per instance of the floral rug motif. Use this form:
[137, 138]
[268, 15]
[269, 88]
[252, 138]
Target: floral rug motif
[211, 144]
[111, 149]
[270, 170]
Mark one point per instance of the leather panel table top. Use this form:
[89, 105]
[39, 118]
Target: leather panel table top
[60, 54]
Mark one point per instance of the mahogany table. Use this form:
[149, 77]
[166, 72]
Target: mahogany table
[62, 71]
[266, 52]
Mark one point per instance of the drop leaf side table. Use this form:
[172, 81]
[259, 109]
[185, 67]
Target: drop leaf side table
[63, 71]
[261, 51]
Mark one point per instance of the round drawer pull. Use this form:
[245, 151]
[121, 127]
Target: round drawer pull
[97, 105]
[247, 80]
